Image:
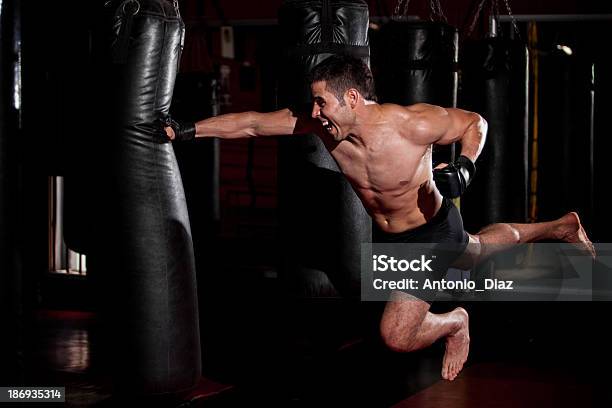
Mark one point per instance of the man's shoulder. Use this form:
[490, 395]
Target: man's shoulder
[408, 110]
[392, 110]
[413, 122]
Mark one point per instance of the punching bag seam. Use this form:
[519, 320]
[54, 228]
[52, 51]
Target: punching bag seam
[161, 53]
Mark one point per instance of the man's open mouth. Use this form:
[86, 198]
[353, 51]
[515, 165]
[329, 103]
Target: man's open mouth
[327, 125]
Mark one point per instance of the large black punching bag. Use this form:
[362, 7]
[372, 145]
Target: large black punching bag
[565, 141]
[322, 221]
[495, 80]
[416, 62]
[151, 282]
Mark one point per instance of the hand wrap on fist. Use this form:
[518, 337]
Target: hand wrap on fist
[182, 130]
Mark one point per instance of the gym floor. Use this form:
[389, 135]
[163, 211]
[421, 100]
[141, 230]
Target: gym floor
[63, 351]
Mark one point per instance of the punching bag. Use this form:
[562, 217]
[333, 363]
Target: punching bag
[565, 143]
[151, 274]
[322, 220]
[495, 83]
[415, 62]
[602, 106]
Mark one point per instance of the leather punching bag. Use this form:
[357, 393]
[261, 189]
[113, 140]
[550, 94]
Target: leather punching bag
[566, 148]
[495, 84]
[416, 63]
[322, 220]
[152, 276]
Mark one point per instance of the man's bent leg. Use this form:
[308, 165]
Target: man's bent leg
[407, 325]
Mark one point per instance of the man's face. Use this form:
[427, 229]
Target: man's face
[333, 115]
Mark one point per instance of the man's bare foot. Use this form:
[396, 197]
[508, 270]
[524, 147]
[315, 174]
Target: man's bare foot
[570, 229]
[457, 346]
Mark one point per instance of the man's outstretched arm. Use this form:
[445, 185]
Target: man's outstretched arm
[242, 125]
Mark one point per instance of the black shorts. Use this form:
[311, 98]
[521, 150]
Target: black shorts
[445, 227]
[444, 232]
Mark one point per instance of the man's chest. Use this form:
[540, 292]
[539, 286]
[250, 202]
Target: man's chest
[383, 165]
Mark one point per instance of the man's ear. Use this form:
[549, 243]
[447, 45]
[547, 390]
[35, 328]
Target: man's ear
[353, 97]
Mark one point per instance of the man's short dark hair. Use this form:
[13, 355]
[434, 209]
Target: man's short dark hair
[342, 72]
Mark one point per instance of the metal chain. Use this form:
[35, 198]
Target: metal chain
[495, 14]
[516, 29]
[406, 7]
[439, 10]
[432, 10]
[435, 9]
[397, 7]
[475, 19]
[396, 12]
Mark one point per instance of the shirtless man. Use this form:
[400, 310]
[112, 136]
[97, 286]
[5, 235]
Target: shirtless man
[385, 153]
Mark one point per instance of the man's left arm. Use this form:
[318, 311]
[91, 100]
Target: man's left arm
[437, 125]
[467, 128]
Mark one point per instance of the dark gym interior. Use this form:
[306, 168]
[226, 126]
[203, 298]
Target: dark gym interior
[271, 313]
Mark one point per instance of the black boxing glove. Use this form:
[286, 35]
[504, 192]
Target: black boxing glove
[182, 130]
[453, 180]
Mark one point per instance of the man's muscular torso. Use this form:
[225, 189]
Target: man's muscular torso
[391, 174]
